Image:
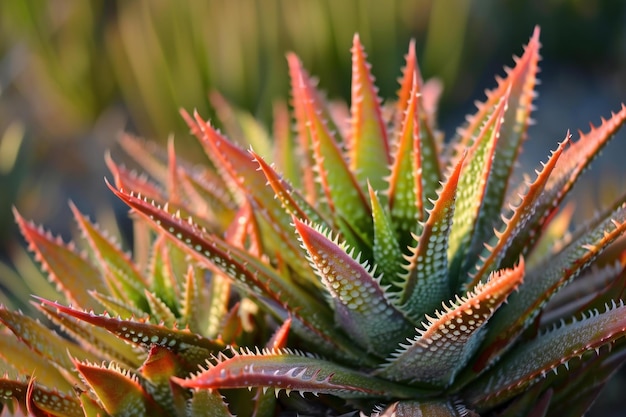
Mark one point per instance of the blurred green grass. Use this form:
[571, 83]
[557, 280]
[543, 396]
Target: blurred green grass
[71, 62]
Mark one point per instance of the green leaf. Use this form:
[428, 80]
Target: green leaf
[242, 169]
[39, 400]
[244, 269]
[543, 282]
[343, 194]
[160, 365]
[265, 403]
[520, 81]
[285, 147]
[74, 275]
[445, 343]
[159, 311]
[198, 191]
[42, 340]
[528, 362]
[194, 302]
[425, 281]
[572, 163]
[518, 88]
[91, 406]
[552, 233]
[535, 402]
[95, 340]
[472, 189]
[240, 125]
[368, 146]
[288, 370]
[165, 282]
[120, 308]
[207, 196]
[522, 213]
[312, 319]
[235, 165]
[119, 391]
[362, 307]
[192, 347]
[405, 191]
[30, 362]
[583, 151]
[293, 202]
[205, 403]
[216, 306]
[119, 270]
[386, 251]
[412, 85]
[298, 76]
[592, 289]
[577, 389]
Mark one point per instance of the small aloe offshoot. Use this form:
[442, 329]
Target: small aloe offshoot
[372, 268]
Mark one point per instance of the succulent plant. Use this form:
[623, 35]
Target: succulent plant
[372, 268]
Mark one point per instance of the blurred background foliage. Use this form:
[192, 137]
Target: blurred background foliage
[73, 74]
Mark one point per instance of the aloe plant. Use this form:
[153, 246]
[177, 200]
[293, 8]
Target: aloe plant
[372, 267]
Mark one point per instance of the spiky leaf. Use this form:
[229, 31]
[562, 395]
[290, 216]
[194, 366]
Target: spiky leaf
[386, 250]
[521, 215]
[252, 275]
[119, 392]
[286, 370]
[531, 361]
[192, 347]
[574, 161]
[361, 306]
[206, 403]
[339, 184]
[119, 268]
[472, 189]
[544, 281]
[39, 400]
[405, 182]
[445, 343]
[72, 272]
[518, 88]
[42, 340]
[368, 146]
[425, 283]
[29, 362]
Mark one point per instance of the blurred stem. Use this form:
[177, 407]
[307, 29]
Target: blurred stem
[10, 145]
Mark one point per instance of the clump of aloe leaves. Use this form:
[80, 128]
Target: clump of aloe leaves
[363, 267]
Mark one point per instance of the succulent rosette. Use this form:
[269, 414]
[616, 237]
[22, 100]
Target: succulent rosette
[370, 266]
